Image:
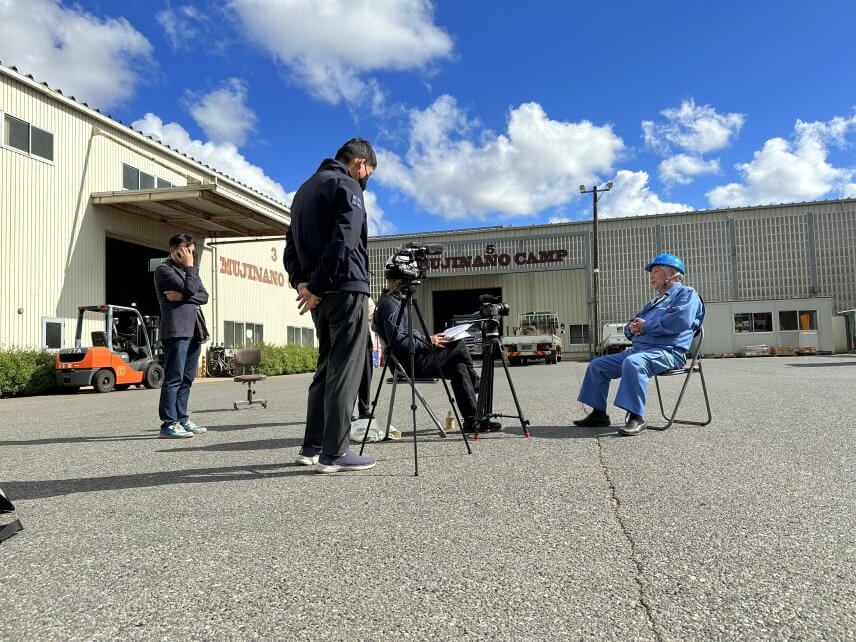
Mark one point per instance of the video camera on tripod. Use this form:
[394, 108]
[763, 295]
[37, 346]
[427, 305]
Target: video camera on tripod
[409, 262]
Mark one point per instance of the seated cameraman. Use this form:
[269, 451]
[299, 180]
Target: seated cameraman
[454, 357]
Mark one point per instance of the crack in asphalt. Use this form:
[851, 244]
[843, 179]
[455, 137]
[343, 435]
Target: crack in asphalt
[616, 503]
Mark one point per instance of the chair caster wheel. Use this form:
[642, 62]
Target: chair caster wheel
[264, 405]
[235, 406]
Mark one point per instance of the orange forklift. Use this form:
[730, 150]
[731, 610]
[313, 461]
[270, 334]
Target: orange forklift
[121, 355]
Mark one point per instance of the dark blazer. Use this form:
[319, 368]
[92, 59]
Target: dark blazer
[326, 244]
[178, 318]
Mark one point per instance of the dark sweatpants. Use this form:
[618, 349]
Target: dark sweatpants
[457, 365]
[341, 323]
[364, 401]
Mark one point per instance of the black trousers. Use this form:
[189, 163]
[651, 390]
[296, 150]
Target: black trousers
[457, 366]
[341, 323]
[364, 400]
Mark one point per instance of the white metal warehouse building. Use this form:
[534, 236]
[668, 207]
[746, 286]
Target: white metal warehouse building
[87, 204]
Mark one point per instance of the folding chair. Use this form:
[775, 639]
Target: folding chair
[693, 365]
[400, 374]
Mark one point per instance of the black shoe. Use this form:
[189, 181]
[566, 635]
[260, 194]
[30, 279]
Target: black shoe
[595, 419]
[490, 426]
[635, 424]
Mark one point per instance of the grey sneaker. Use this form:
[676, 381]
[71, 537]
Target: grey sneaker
[189, 426]
[307, 456]
[174, 431]
[635, 424]
[346, 462]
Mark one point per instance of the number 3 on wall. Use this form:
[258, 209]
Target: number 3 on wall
[273, 254]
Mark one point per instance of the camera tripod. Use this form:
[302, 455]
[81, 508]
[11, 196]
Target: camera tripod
[407, 290]
[491, 348]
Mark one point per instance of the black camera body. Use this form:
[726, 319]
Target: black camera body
[408, 262]
[492, 307]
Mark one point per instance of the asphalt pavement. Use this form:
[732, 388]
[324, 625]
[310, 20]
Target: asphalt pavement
[744, 529]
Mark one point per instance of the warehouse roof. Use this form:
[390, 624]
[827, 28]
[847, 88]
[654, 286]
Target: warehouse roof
[201, 209]
[71, 101]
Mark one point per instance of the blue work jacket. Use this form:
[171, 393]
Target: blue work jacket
[671, 320]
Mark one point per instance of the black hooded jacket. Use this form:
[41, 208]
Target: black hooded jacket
[326, 244]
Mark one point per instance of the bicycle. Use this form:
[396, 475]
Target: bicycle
[217, 365]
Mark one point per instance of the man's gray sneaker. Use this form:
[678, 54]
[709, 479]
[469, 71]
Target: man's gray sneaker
[307, 456]
[346, 462]
[635, 424]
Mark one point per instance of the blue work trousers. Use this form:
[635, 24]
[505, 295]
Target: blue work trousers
[635, 368]
[182, 361]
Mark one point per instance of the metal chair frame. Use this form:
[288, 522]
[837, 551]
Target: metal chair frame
[401, 372]
[693, 365]
[244, 360]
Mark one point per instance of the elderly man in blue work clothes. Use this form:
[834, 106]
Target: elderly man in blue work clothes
[661, 334]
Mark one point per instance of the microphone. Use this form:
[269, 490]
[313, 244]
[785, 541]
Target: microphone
[489, 298]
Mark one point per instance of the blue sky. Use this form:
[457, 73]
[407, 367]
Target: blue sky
[483, 112]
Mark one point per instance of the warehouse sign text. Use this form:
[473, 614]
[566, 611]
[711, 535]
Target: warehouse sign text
[251, 272]
[491, 258]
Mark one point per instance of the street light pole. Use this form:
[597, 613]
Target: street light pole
[594, 333]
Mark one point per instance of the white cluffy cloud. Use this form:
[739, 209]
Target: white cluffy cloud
[537, 163]
[224, 157]
[180, 24]
[694, 130]
[224, 114]
[93, 59]
[631, 196]
[330, 46]
[791, 170]
[681, 168]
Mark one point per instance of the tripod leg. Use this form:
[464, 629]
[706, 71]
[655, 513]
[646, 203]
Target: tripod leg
[425, 405]
[523, 421]
[374, 404]
[387, 355]
[391, 402]
[443, 379]
[413, 387]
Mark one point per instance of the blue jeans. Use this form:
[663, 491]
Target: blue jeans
[182, 361]
[635, 368]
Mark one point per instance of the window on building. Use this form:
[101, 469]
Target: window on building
[52, 333]
[130, 177]
[762, 322]
[578, 334]
[19, 134]
[308, 337]
[753, 322]
[133, 178]
[788, 320]
[237, 334]
[808, 320]
[300, 336]
[147, 181]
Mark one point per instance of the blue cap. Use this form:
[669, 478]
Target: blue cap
[667, 260]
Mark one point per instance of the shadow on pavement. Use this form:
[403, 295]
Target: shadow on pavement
[565, 432]
[822, 365]
[22, 490]
[231, 427]
[76, 440]
[261, 444]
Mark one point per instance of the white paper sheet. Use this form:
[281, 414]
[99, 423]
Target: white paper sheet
[457, 332]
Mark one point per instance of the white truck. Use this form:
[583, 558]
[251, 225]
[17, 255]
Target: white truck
[535, 337]
[613, 339]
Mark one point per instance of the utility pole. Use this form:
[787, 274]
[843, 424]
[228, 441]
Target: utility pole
[594, 333]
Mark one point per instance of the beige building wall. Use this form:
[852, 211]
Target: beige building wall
[247, 284]
[52, 238]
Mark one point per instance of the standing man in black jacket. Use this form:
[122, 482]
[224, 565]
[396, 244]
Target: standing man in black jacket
[180, 293]
[326, 258]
